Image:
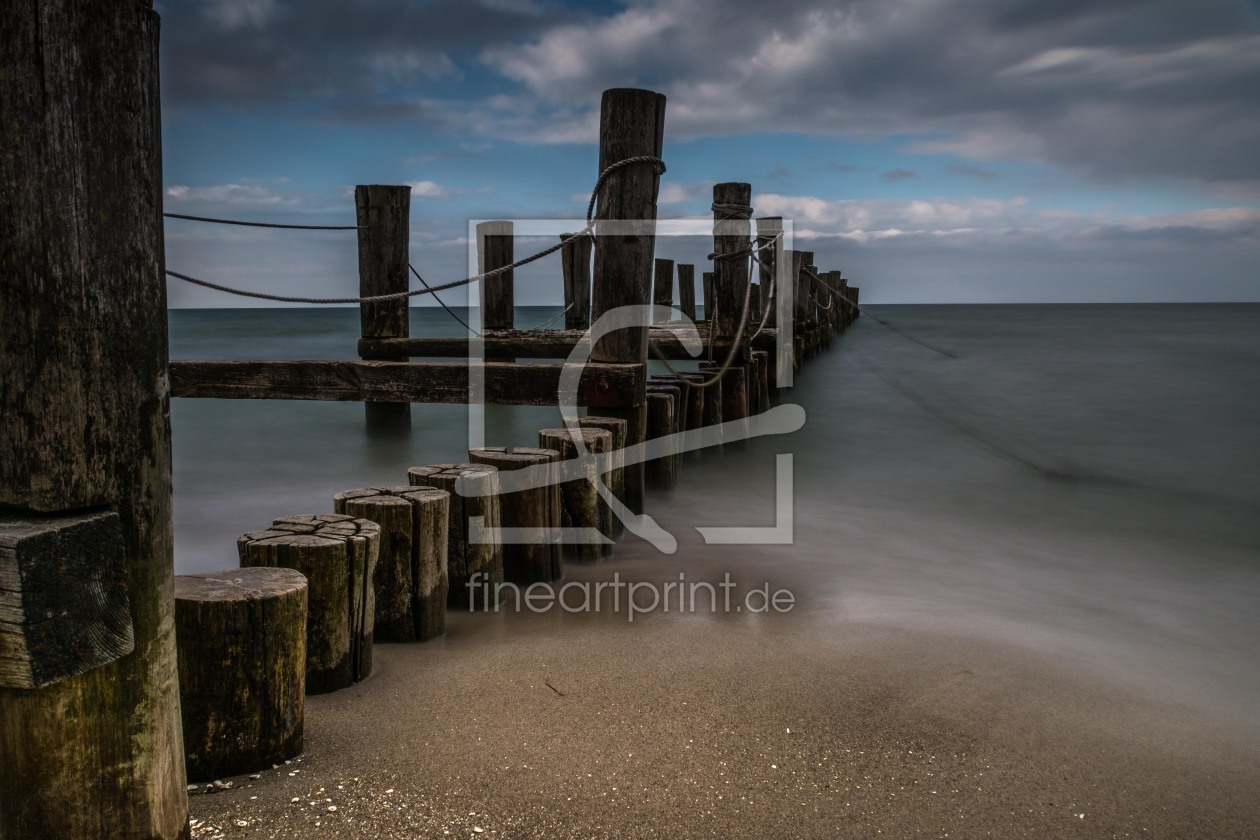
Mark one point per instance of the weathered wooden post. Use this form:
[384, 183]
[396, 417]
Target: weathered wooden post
[804, 287]
[661, 474]
[383, 214]
[474, 495]
[710, 305]
[616, 479]
[687, 290]
[580, 505]
[663, 286]
[731, 211]
[575, 261]
[84, 420]
[411, 579]
[769, 239]
[337, 554]
[535, 512]
[495, 249]
[241, 635]
[632, 123]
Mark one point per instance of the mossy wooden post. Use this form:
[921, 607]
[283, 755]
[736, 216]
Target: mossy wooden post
[84, 409]
[337, 554]
[534, 555]
[616, 480]
[687, 290]
[474, 556]
[575, 262]
[632, 123]
[241, 635]
[579, 500]
[383, 214]
[411, 579]
[663, 287]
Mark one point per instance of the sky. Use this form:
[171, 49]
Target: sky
[935, 151]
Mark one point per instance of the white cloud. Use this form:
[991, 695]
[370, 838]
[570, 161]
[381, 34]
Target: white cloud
[429, 189]
[245, 194]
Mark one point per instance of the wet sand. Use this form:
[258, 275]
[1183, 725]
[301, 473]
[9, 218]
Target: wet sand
[701, 726]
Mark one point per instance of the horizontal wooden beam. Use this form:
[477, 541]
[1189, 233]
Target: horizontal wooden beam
[526, 344]
[601, 385]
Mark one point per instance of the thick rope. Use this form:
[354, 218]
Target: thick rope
[260, 224]
[590, 227]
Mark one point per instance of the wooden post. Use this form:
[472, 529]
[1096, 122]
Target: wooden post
[632, 123]
[83, 405]
[694, 398]
[575, 261]
[495, 249]
[383, 214]
[730, 234]
[761, 380]
[709, 304]
[768, 228]
[661, 474]
[616, 478]
[677, 423]
[337, 554]
[687, 290]
[663, 286]
[579, 500]
[534, 511]
[242, 668]
[474, 490]
[411, 580]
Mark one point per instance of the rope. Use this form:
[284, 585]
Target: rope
[449, 311]
[556, 317]
[260, 224]
[657, 163]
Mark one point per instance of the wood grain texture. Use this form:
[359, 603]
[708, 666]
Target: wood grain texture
[616, 427]
[337, 554]
[412, 578]
[575, 261]
[241, 635]
[663, 286]
[731, 231]
[427, 382]
[64, 608]
[687, 290]
[495, 248]
[632, 123]
[472, 557]
[383, 214]
[535, 556]
[580, 505]
[83, 401]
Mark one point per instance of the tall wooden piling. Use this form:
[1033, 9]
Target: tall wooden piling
[383, 214]
[632, 123]
[575, 262]
[710, 305]
[769, 244]
[687, 290]
[663, 287]
[495, 248]
[731, 212]
[84, 408]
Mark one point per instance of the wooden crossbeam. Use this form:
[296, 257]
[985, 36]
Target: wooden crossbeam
[602, 385]
[526, 344]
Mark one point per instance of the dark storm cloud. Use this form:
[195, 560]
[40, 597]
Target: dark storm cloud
[268, 52]
[1128, 89]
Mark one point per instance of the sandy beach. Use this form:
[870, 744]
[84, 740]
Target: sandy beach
[690, 727]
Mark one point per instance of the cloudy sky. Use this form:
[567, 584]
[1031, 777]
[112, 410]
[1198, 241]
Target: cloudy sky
[933, 150]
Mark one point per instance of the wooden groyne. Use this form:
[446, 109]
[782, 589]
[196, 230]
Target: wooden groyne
[90, 736]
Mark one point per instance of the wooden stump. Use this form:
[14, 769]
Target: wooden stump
[675, 389]
[734, 396]
[660, 472]
[534, 556]
[616, 477]
[761, 380]
[695, 397]
[411, 579]
[241, 636]
[474, 558]
[579, 501]
[338, 556]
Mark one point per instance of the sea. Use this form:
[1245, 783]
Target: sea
[1082, 481]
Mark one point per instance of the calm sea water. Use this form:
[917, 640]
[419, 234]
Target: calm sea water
[1081, 480]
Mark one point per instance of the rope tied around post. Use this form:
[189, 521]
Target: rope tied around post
[428, 290]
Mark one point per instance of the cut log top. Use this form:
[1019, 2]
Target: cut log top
[391, 495]
[512, 458]
[251, 583]
[595, 440]
[318, 529]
